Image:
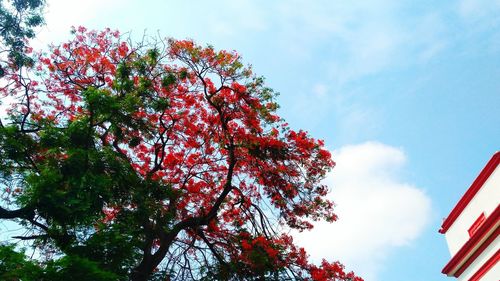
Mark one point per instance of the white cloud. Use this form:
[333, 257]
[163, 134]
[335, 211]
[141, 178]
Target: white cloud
[377, 210]
[481, 22]
[60, 15]
[474, 9]
[356, 38]
[320, 90]
[360, 38]
[356, 47]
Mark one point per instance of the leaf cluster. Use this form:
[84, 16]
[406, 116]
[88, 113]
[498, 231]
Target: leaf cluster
[18, 19]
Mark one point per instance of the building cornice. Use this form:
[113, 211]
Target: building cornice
[482, 238]
[471, 192]
[486, 267]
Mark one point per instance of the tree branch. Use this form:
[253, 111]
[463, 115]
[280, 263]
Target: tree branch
[23, 213]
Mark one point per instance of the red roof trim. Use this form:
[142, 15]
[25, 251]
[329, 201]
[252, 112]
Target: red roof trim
[476, 224]
[486, 267]
[477, 253]
[469, 251]
[469, 194]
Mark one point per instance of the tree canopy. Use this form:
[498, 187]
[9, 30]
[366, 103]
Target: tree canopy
[18, 18]
[157, 160]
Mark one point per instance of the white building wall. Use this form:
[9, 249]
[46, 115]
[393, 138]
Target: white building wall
[485, 200]
[493, 274]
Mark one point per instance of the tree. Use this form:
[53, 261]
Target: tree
[158, 160]
[17, 20]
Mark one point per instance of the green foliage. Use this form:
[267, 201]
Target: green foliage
[71, 186]
[76, 268]
[14, 144]
[18, 18]
[15, 266]
[73, 183]
[114, 246]
[168, 80]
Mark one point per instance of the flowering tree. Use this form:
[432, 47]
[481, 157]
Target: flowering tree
[157, 161]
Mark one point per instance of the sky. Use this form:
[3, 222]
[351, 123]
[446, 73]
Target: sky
[406, 95]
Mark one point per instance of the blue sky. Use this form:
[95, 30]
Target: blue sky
[405, 93]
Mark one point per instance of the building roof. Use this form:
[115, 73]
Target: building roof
[471, 192]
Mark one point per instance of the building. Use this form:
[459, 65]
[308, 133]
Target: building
[471, 229]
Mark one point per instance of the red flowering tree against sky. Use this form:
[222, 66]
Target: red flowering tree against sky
[161, 160]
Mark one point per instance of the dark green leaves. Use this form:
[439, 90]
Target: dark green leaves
[18, 18]
[168, 80]
[15, 266]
